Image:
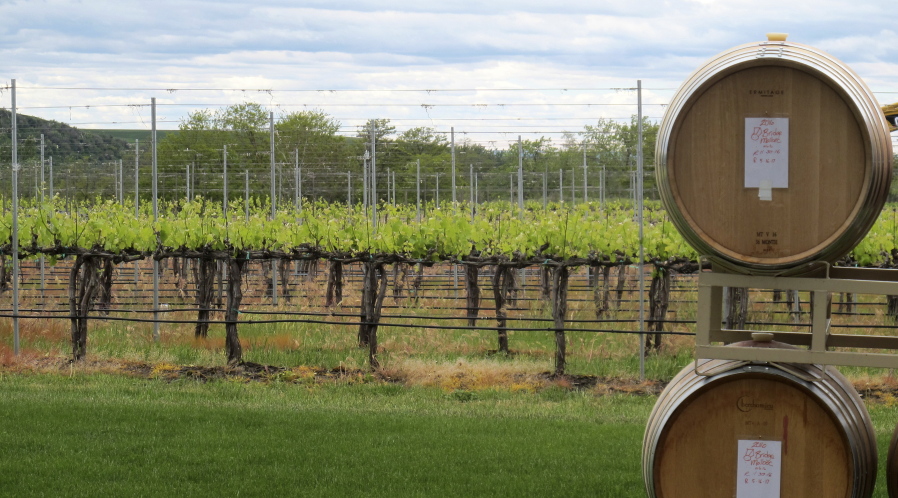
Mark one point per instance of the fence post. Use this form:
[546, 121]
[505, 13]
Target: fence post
[224, 185]
[520, 178]
[15, 224]
[639, 194]
[136, 204]
[155, 219]
[584, 173]
[452, 144]
[42, 259]
[418, 191]
[471, 189]
[560, 186]
[274, 207]
[374, 174]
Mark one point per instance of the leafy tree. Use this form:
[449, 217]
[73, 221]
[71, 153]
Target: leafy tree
[200, 143]
[422, 144]
[313, 136]
[385, 150]
[83, 159]
[382, 129]
[199, 140]
[615, 145]
[421, 141]
[310, 139]
[307, 137]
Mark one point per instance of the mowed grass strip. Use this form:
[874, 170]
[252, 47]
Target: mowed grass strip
[106, 435]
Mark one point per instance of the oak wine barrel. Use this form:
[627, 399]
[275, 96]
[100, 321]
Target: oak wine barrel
[772, 158]
[691, 444]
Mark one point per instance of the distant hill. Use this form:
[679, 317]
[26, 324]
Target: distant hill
[66, 143]
[131, 135]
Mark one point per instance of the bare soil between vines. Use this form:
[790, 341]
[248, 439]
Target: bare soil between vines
[461, 377]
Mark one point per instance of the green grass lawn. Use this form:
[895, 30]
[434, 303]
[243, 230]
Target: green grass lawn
[100, 435]
[111, 435]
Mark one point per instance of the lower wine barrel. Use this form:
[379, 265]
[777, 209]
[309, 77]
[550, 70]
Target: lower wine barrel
[690, 448]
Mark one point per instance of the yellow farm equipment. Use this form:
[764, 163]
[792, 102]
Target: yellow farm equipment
[891, 112]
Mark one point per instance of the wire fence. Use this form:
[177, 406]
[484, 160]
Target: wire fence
[112, 180]
[565, 159]
[440, 295]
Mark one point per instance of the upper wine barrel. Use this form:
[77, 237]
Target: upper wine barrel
[773, 157]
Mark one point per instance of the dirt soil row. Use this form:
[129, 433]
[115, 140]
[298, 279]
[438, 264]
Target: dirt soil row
[881, 390]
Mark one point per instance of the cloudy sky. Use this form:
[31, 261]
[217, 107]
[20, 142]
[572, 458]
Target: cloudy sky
[493, 70]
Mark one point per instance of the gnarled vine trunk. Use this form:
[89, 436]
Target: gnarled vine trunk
[416, 282]
[659, 301]
[334, 293]
[311, 269]
[559, 310]
[104, 300]
[500, 298]
[621, 283]
[84, 286]
[601, 291]
[284, 278]
[221, 278]
[234, 350]
[892, 306]
[4, 274]
[400, 274]
[793, 304]
[737, 307]
[545, 283]
[373, 292]
[472, 293]
[848, 302]
[511, 284]
[179, 269]
[204, 277]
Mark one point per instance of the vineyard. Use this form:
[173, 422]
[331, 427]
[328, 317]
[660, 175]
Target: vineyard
[317, 251]
[514, 270]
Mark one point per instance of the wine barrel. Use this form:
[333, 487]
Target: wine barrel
[772, 158]
[690, 448]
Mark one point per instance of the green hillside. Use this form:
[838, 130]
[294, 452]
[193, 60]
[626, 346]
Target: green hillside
[66, 143]
[131, 135]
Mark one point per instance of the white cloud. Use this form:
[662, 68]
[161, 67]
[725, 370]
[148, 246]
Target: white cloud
[393, 45]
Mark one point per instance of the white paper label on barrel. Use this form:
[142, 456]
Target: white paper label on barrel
[767, 152]
[758, 469]
[765, 191]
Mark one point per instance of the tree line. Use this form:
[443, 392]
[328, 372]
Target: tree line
[315, 142]
[328, 157]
